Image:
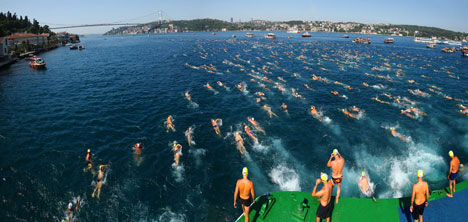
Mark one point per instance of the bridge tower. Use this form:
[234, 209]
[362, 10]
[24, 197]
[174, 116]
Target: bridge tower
[160, 18]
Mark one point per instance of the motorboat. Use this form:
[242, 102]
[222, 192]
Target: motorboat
[389, 40]
[270, 36]
[306, 35]
[37, 63]
[73, 47]
[250, 35]
[431, 46]
[345, 37]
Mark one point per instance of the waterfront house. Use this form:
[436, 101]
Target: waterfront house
[15, 40]
[3, 46]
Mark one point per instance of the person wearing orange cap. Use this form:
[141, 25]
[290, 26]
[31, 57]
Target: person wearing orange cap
[137, 157]
[244, 188]
[216, 124]
[453, 172]
[420, 196]
[170, 124]
[324, 210]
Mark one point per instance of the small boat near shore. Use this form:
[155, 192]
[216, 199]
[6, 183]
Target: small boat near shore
[234, 36]
[448, 50]
[306, 35]
[80, 47]
[362, 40]
[73, 47]
[37, 63]
[389, 40]
[270, 36]
[464, 52]
[249, 34]
[345, 36]
[431, 46]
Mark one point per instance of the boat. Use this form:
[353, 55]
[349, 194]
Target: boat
[80, 47]
[431, 46]
[250, 35]
[213, 33]
[68, 44]
[345, 37]
[362, 40]
[37, 63]
[73, 47]
[301, 206]
[270, 36]
[306, 35]
[389, 40]
[293, 31]
[448, 50]
[457, 43]
[464, 52]
[234, 36]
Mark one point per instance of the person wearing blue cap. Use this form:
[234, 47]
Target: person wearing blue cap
[420, 196]
[244, 188]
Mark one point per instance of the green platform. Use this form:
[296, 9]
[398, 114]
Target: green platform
[301, 206]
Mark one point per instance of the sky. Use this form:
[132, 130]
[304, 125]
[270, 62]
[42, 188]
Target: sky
[446, 14]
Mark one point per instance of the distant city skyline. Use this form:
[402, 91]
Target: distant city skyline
[427, 13]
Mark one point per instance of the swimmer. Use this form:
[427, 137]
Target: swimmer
[307, 86]
[268, 110]
[420, 196]
[346, 112]
[256, 125]
[177, 148]
[244, 188]
[216, 124]
[188, 134]
[453, 172]
[324, 210]
[88, 161]
[337, 165]
[250, 134]
[71, 209]
[365, 188]
[170, 124]
[137, 156]
[187, 96]
[239, 142]
[397, 134]
[284, 107]
[99, 181]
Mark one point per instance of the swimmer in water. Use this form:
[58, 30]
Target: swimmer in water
[365, 188]
[239, 142]
[250, 134]
[187, 96]
[188, 134]
[170, 124]
[99, 181]
[256, 125]
[71, 209]
[137, 155]
[284, 107]
[88, 161]
[177, 148]
[397, 134]
[216, 124]
[346, 112]
[268, 110]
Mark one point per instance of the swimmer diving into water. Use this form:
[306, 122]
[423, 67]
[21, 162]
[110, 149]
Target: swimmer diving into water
[216, 124]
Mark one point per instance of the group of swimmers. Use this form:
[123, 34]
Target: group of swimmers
[245, 193]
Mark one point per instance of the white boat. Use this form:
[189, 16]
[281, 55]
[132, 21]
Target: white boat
[306, 35]
[293, 31]
[270, 36]
[250, 35]
[457, 43]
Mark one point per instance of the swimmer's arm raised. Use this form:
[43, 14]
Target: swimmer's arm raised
[315, 193]
[329, 161]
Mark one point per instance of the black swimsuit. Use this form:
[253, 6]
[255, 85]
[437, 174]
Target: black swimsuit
[324, 212]
[245, 202]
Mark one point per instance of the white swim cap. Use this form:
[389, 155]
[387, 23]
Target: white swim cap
[420, 173]
[245, 171]
[335, 151]
[324, 177]
[451, 153]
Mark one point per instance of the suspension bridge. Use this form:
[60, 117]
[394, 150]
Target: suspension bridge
[159, 21]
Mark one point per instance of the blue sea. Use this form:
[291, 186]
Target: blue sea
[120, 90]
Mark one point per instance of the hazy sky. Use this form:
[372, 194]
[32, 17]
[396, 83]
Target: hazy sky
[447, 14]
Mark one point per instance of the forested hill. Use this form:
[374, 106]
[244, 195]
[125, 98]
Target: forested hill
[11, 23]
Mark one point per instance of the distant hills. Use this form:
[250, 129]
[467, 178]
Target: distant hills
[202, 25]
